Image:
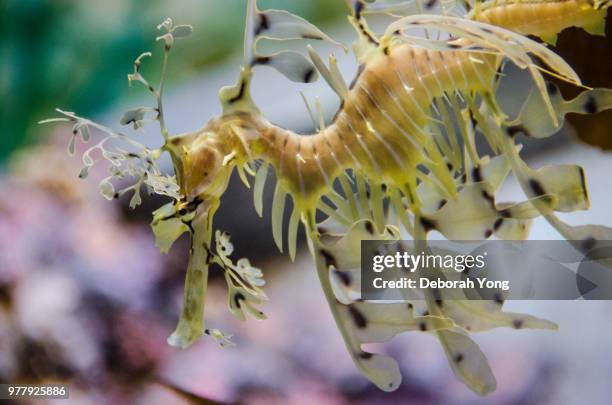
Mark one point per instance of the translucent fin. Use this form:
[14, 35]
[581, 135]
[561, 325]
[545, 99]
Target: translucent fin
[332, 75]
[513, 229]
[363, 322]
[400, 210]
[494, 171]
[294, 222]
[473, 215]
[293, 65]
[583, 237]
[278, 210]
[242, 175]
[478, 316]
[565, 182]
[412, 7]
[533, 122]
[377, 201]
[363, 195]
[258, 188]
[349, 195]
[385, 321]
[467, 361]
[166, 227]
[282, 25]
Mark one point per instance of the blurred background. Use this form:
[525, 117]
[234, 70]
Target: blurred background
[86, 298]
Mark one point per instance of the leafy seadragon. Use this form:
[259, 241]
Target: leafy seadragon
[403, 137]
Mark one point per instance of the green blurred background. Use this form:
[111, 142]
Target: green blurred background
[76, 54]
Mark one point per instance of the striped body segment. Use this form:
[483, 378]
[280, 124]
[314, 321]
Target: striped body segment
[381, 127]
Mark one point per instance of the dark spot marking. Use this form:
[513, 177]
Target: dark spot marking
[367, 35]
[498, 298]
[345, 277]
[264, 24]
[308, 75]
[238, 298]
[488, 197]
[422, 326]
[386, 50]
[472, 119]
[551, 88]
[330, 260]
[182, 211]
[369, 228]
[454, 46]
[536, 187]
[312, 36]
[505, 213]
[458, 358]
[358, 9]
[449, 166]
[430, 4]
[261, 60]
[488, 233]
[513, 130]
[476, 175]
[428, 224]
[360, 321]
[442, 203]
[517, 323]
[464, 177]
[240, 93]
[591, 105]
[589, 243]
[498, 223]
[582, 180]
[365, 355]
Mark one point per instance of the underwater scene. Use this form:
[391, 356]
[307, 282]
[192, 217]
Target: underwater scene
[296, 202]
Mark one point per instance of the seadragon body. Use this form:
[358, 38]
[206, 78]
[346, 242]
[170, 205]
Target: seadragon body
[404, 133]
